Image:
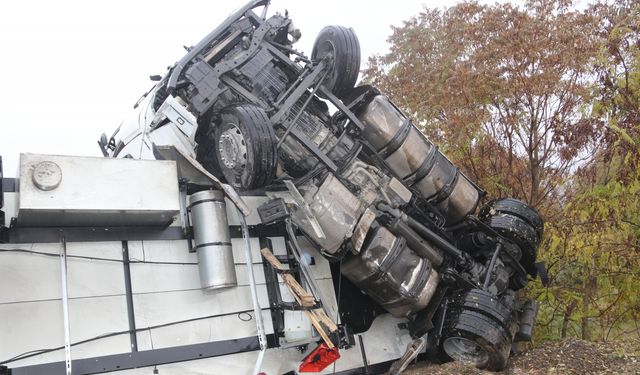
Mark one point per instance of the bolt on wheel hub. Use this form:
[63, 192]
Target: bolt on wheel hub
[233, 148]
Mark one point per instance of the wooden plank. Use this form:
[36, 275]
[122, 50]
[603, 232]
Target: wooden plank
[318, 317]
[306, 299]
[266, 253]
[316, 323]
[331, 326]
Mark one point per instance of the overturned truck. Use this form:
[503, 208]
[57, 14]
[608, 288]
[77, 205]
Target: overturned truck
[398, 220]
[343, 170]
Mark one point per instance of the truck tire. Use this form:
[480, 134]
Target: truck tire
[472, 337]
[516, 208]
[342, 45]
[245, 146]
[519, 223]
[484, 303]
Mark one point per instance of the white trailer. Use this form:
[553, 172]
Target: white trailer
[129, 294]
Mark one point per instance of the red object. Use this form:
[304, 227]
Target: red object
[319, 358]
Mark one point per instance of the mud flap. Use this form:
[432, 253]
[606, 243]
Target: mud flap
[527, 321]
[541, 272]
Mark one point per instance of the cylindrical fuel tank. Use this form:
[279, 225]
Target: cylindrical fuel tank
[417, 161]
[392, 274]
[212, 241]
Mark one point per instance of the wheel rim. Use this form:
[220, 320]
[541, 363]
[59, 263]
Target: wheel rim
[232, 148]
[324, 49]
[465, 350]
[515, 252]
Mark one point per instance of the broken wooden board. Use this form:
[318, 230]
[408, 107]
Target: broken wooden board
[322, 323]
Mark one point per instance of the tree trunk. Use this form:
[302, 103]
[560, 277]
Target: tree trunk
[567, 317]
[565, 325]
[585, 312]
[590, 287]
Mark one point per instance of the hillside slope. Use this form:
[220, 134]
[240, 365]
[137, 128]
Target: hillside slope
[557, 357]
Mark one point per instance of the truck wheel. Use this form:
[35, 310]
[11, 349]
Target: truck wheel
[516, 208]
[485, 303]
[517, 222]
[341, 44]
[245, 146]
[472, 337]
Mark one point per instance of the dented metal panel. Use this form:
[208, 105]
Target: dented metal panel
[392, 274]
[337, 210]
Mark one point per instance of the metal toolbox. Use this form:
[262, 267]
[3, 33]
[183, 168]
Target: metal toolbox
[88, 191]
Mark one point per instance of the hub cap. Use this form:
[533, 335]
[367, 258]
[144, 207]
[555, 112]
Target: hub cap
[232, 147]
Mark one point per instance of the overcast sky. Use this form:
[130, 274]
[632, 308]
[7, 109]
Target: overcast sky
[71, 70]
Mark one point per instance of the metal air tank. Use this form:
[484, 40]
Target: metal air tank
[212, 241]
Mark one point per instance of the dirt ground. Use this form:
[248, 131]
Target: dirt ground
[557, 357]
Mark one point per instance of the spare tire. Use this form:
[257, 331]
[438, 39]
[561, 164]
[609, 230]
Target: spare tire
[245, 146]
[342, 46]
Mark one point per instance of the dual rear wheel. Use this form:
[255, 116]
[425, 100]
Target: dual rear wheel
[519, 223]
[478, 330]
